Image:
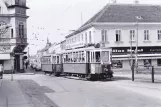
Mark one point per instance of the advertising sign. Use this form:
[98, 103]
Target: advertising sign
[123, 50]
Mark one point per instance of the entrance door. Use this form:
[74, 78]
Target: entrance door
[17, 63]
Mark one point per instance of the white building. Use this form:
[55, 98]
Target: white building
[14, 37]
[116, 26]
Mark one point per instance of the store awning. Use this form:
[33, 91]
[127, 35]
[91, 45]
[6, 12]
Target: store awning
[4, 56]
[139, 58]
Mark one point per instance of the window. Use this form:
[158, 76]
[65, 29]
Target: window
[104, 35]
[21, 30]
[146, 34]
[86, 38]
[117, 64]
[132, 35]
[159, 34]
[118, 35]
[159, 62]
[82, 37]
[147, 62]
[90, 37]
[11, 33]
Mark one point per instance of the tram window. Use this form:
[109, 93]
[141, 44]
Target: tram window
[83, 59]
[97, 56]
[58, 60]
[79, 56]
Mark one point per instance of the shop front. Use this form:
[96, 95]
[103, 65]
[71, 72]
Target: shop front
[122, 57]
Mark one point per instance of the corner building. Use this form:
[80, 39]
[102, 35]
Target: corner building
[117, 26]
[14, 37]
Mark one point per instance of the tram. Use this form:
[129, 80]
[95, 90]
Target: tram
[52, 64]
[90, 63]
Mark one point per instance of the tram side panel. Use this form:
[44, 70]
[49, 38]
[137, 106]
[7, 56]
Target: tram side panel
[47, 68]
[75, 68]
[95, 68]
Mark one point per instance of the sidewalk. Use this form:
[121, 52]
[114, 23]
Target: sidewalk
[11, 95]
[142, 84]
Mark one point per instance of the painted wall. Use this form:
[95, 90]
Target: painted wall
[7, 65]
[125, 35]
[80, 43]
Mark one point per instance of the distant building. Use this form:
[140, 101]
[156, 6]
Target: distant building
[14, 37]
[43, 51]
[116, 27]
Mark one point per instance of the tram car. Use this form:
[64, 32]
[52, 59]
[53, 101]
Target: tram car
[90, 63]
[52, 64]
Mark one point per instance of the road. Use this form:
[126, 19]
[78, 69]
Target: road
[48, 91]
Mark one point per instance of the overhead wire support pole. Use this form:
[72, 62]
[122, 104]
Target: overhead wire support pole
[136, 51]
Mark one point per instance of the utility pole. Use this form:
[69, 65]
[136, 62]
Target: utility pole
[136, 50]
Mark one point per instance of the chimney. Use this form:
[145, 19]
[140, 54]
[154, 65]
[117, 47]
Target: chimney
[114, 1]
[136, 2]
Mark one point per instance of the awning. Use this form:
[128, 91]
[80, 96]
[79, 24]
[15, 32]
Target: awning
[139, 58]
[4, 56]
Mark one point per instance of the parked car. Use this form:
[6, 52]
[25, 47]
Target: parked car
[38, 67]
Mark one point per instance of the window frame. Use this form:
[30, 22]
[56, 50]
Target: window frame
[132, 35]
[159, 34]
[146, 35]
[118, 33]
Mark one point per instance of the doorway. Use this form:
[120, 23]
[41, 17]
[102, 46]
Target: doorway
[17, 63]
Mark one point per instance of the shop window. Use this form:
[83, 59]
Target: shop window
[117, 64]
[159, 62]
[147, 62]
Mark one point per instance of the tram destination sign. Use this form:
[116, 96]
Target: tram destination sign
[140, 49]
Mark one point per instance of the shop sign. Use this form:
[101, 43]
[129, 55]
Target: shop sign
[140, 49]
[5, 48]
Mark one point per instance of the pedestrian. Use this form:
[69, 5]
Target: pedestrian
[1, 71]
[26, 63]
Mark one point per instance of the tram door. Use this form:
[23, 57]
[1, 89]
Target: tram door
[88, 62]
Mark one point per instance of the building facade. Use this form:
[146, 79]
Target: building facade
[123, 27]
[14, 37]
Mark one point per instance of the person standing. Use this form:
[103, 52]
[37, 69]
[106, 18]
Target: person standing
[1, 71]
[26, 63]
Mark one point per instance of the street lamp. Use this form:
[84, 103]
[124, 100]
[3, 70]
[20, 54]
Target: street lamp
[136, 50]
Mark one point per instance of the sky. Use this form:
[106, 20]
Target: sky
[56, 18]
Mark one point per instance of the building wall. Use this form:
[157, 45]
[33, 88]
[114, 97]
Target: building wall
[79, 42]
[7, 65]
[125, 35]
